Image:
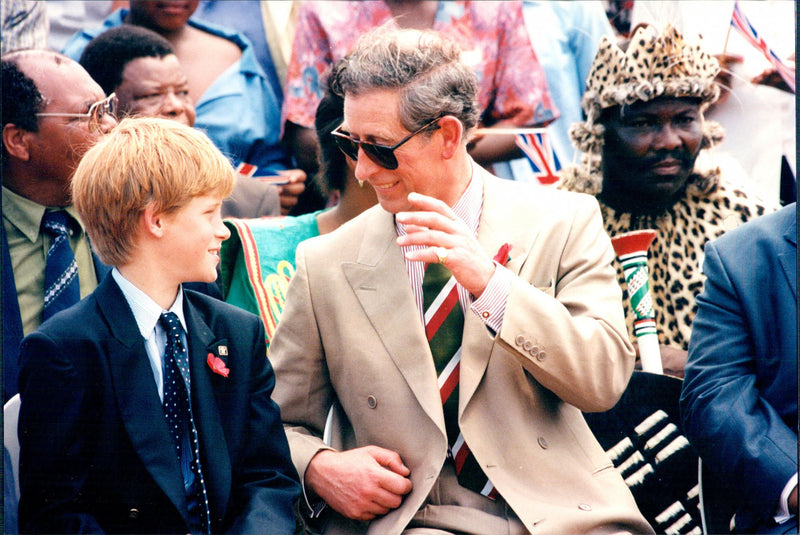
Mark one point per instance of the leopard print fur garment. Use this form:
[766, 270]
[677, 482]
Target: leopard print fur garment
[675, 258]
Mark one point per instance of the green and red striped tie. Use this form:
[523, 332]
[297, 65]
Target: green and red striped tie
[444, 327]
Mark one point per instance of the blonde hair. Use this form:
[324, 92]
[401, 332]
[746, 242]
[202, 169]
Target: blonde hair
[143, 161]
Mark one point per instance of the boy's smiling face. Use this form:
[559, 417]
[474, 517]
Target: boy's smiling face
[192, 238]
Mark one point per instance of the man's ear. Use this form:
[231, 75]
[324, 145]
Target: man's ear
[152, 221]
[452, 132]
[16, 140]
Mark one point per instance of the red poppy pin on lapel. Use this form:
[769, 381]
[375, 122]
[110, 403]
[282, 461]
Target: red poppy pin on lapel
[217, 365]
[502, 254]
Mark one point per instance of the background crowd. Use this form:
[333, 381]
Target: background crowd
[674, 117]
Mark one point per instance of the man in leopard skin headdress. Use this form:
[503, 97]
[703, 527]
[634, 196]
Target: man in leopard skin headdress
[646, 158]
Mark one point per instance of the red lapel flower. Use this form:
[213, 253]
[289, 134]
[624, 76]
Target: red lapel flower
[217, 365]
[502, 254]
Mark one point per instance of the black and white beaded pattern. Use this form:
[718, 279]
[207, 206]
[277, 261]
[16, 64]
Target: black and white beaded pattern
[177, 403]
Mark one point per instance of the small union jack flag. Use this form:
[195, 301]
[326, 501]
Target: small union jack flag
[246, 169]
[541, 155]
[740, 22]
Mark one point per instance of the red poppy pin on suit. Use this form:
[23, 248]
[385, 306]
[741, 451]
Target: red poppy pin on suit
[217, 365]
[502, 254]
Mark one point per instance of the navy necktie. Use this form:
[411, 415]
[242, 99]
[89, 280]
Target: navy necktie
[61, 286]
[180, 421]
[444, 327]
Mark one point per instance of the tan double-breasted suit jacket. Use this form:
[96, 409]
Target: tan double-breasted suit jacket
[351, 333]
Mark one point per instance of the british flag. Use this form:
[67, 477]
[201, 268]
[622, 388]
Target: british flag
[541, 155]
[246, 169]
[740, 22]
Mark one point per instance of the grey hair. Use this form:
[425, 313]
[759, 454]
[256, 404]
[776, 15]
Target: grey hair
[424, 65]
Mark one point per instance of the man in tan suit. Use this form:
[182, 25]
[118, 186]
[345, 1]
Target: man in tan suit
[543, 331]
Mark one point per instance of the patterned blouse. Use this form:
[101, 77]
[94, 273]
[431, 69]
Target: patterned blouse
[492, 35]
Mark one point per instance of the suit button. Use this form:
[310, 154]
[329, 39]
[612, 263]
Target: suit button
[372, 402]
[584, 507]
[541, 355]
[542, 442]
[528, 345]
[133, 514]
[519, 340]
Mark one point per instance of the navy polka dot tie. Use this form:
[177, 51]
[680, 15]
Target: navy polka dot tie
[61, 287]
[180, 421]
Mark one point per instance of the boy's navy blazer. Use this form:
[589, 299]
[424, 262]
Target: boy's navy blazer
[95, 450]
[12, 319]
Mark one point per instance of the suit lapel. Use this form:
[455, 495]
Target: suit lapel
[380, 282]
[213, 446]
[501, 222]
[137, 395]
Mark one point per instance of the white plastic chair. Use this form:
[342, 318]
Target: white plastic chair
[11, 463]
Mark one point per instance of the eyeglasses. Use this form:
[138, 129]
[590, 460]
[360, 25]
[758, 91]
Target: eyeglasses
[96, 113]
[382, 155]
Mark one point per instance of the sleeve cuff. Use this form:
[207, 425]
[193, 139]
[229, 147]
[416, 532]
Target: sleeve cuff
[783, 507]
[315, 505]
[491, 305]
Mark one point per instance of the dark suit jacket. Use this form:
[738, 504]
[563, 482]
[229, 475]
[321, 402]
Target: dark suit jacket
[95, 451]
[739, 397]
[12, 320]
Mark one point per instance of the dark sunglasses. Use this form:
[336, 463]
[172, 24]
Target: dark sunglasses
[382, 155]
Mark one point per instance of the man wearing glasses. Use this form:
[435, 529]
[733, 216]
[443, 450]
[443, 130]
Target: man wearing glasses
[458, 409]
[52, 113]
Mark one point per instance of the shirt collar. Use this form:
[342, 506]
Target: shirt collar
[468, 207]
[146, 311]
[248, 62]
[27, 215]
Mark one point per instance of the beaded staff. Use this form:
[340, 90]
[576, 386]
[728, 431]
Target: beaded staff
[631, 250]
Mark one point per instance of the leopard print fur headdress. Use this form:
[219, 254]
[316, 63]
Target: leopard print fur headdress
[654, 65]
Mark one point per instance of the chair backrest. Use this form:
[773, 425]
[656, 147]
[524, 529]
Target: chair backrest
[716, 510]
[338, 432]
[10, 464]
[643, 436]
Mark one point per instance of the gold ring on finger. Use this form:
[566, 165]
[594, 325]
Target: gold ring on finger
[441, 254]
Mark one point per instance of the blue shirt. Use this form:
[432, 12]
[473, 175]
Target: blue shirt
[240, 112]
[565, 37]
[246, 17]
